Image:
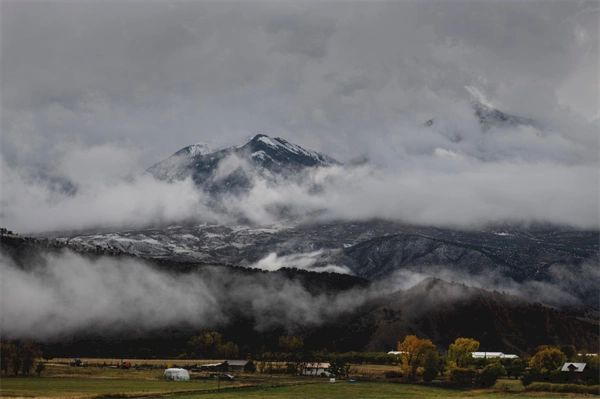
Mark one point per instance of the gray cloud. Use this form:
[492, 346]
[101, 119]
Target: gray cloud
[86, 84]
[67, 293]
[562, 289]
[451, 176]
[161, 76]
[303, 34]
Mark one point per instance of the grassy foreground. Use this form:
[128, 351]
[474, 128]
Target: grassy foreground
[80, 387]
[366, 390]
[61, 381]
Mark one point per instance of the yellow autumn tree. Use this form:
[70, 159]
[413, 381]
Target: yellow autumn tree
[459, 353]
[547, 360]
[413, 352]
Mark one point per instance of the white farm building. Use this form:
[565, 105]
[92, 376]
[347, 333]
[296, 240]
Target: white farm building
[492, 355]
[317, 369]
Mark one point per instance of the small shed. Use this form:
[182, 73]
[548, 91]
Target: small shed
[177, 374]
[238, 366]
[317, 369]
[215, 367]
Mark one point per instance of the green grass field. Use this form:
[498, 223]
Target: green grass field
[61, 381]
[364, 390]
[79, 387]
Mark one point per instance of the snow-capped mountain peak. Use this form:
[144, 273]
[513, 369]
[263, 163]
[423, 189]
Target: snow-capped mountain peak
[263, 155]
[283, 152]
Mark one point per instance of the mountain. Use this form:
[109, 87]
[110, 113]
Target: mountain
[489, 117]
[359, 315]
[232, 169]
[519, 254]
[376, 250]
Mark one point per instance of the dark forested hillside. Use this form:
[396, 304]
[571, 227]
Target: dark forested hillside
[330, 311]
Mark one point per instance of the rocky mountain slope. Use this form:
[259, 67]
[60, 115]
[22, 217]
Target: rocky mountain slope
[376, 250]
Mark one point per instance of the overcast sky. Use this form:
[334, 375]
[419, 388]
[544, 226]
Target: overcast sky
[107, 89]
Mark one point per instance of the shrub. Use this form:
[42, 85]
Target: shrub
[40, 367]
[462, 376]
[393, 374]
[489, 375]
[429, 374]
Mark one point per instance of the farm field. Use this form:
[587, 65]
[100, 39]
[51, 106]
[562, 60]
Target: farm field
[78, 387]
[366, 390]
[60, 380]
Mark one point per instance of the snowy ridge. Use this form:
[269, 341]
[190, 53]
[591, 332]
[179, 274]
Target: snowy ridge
[281, 145]
[202, 148]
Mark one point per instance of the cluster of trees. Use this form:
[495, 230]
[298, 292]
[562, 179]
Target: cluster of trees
[209, 345]
[4, 231]
[20, 357]
[420, 358]
[546, 366]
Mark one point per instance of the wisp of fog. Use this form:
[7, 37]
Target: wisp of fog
[64, 294]
[67, 293]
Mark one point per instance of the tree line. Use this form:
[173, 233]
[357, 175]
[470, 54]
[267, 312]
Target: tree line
[418, 359]
[20, 357]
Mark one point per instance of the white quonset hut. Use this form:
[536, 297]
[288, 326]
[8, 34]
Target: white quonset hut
[492, 355]
[177, 374]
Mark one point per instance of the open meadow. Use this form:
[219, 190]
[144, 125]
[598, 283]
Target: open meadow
[60, 380]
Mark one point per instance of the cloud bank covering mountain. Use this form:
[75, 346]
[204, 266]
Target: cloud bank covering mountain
[462, 184]
[87, 107]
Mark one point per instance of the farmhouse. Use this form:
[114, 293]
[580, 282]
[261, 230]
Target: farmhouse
[574, 369]
[492, 355]
[316, 369]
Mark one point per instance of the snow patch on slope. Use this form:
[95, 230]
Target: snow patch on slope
[205, 147]
[305, 261]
